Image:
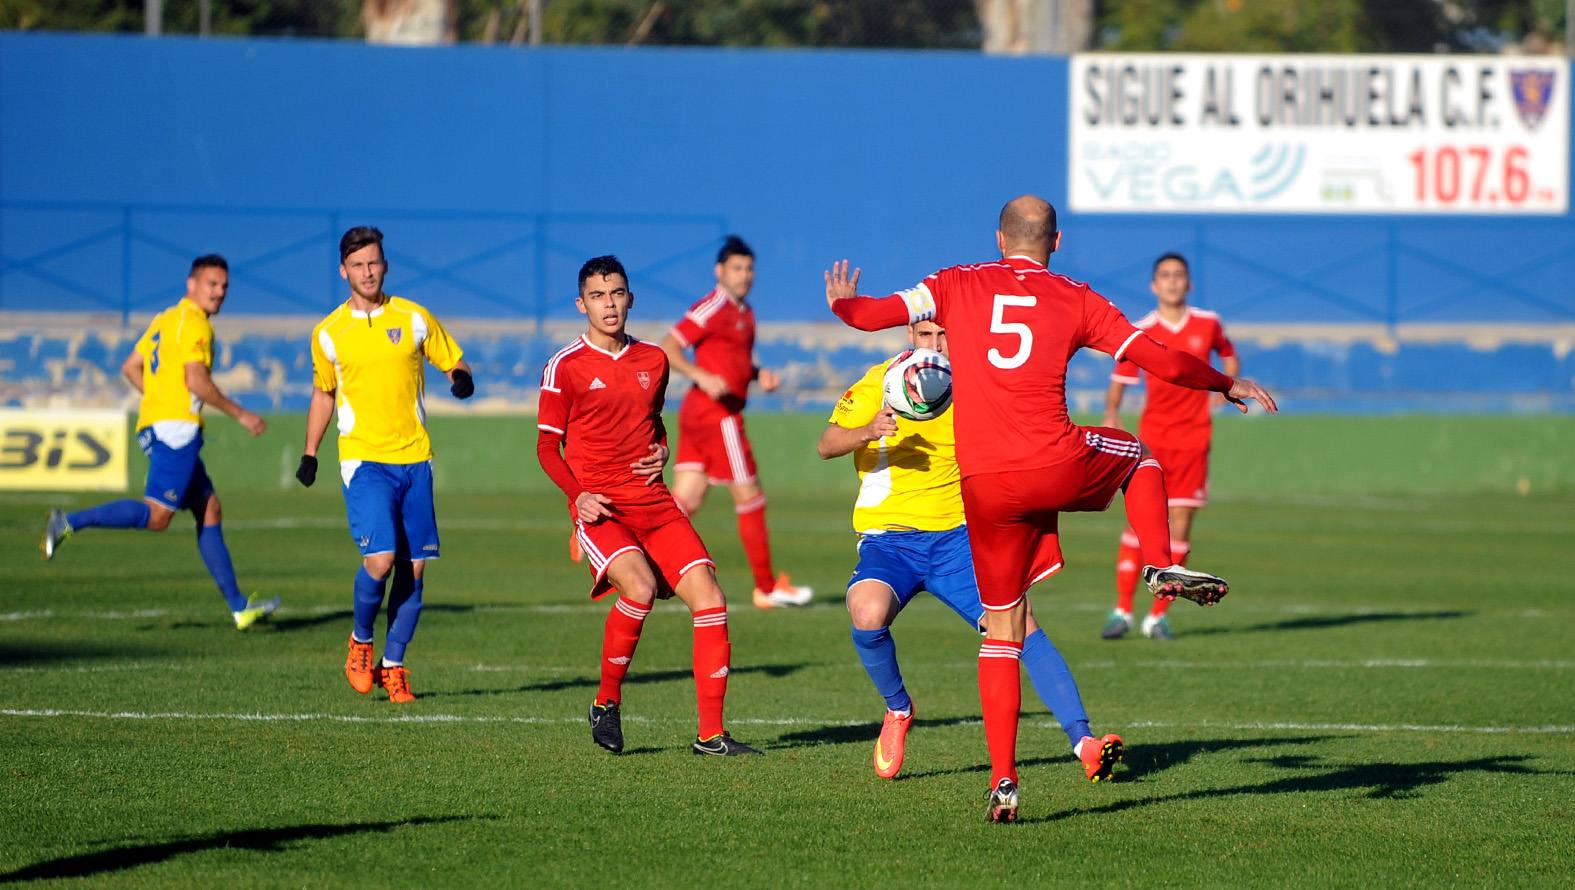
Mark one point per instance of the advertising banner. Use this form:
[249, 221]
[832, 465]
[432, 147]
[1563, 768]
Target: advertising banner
[1319, 134]
[62, 450]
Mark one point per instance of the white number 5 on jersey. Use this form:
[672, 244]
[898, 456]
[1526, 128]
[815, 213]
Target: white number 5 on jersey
[999, 325]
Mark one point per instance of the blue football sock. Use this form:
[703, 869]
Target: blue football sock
[216, 556]
[1053, 681]
[404, 610]
[115, 514]
[368, 599]
[879, 655]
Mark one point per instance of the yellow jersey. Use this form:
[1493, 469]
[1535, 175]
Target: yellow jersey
[178, 336]
[906, 481]
[371, 361]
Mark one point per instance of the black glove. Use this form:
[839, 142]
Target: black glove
[463, 387]
[307, 471]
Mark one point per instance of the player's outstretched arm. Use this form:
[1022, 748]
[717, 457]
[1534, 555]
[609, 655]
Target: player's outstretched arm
[864, 313]
[201, 384]
[1242, 389]
[837, 440]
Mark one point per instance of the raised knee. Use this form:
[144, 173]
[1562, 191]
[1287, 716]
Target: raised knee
[870, 608]
[866, 618]
[641, 590]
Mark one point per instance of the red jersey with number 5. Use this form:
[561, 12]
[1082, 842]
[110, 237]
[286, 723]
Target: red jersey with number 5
[1175, 417]
[1011, 328]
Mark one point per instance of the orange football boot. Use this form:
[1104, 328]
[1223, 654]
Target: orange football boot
[889, 747]
[358, 666]
[396, 680]
[1100, 756]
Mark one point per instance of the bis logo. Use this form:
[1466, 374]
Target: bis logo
[62, 450]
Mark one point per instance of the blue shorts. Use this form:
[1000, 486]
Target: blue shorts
[909, 562]
[390, 509]
[176, 477]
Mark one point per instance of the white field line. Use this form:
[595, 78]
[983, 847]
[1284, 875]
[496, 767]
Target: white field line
[172, 716]
[1167, 664]
[1049, 605]
[290, 523]
[286, 611]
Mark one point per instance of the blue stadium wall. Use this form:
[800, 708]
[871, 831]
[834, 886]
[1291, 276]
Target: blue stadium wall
[495, 171]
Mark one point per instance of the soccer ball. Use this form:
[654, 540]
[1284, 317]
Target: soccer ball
[918, 384]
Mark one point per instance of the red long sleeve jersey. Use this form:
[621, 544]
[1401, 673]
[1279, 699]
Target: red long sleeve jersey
[721, 330]
[1174, 416]
[1011, 328]
[606, 408]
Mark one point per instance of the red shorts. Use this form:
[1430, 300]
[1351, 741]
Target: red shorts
[661, 532]
[716, 446]
[1186, 474]
[1013, 517]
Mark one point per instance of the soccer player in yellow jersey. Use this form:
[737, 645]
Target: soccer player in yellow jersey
[909, 517]
[367, 363]
[171, 366]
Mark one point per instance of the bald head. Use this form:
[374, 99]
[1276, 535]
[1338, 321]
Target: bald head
[1028, 226]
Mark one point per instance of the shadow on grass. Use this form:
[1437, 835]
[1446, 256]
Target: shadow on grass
[287, 623]
[262, 840]
[1378, 781]
[982, 768]
[23, 653]
[1320, 622]
[635, 677]
[857, 733]
[1148, 759]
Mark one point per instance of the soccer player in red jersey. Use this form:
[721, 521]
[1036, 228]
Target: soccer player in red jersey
[713, 448]
[1013, 325]
[1175, 425]
[600, 438]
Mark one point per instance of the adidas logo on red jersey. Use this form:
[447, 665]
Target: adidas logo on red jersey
[596, 383]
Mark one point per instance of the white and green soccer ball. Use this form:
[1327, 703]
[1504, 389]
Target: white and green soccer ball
[918, 384]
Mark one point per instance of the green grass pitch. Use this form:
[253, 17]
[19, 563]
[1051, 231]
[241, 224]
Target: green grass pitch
[1384, 699]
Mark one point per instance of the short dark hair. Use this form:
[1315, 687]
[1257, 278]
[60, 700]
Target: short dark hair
[359, 237]
[1171, 255]
[733, 246]
[208, 261]
[602, 266]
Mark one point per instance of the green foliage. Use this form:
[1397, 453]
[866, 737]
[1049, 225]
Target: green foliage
[780, 23]
[1327, 26]
[71, 15]
[284, 18]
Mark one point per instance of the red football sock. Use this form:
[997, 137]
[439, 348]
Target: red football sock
[757, 546]
[1127, 570]
[1148, 512]
[712, 654]
[1178, 555]
[1001, 696]
[619, 637]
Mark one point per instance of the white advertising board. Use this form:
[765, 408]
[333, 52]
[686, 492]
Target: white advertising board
[1173, 133]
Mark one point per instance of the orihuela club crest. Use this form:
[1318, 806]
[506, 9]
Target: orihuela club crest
[645, 379]
[1532, 88]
